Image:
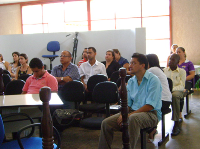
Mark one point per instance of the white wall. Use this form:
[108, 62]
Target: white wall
[185, 27]
[35, 44]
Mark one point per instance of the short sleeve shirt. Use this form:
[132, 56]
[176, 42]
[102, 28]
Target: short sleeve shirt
[87, 70]
[33, 85]
[187, 66]
[122, 61]
[71, 71]
[148, 93]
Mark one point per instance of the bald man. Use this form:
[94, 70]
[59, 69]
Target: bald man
[64, 73]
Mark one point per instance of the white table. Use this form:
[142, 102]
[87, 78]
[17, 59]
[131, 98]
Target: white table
[25, 100]
[197, 69]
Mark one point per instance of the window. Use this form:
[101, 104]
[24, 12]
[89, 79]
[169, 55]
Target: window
[78, 15]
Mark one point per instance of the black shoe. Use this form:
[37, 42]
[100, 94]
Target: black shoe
[175, 131]
[180, 120]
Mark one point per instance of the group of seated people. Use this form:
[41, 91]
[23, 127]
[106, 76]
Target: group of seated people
[148, 89]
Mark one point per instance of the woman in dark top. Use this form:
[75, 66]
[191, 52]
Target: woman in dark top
[24, 68]
[110, 63]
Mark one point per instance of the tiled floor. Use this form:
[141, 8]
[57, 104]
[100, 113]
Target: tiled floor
[81, 138]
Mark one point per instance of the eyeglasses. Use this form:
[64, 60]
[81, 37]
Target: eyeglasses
[64, 56]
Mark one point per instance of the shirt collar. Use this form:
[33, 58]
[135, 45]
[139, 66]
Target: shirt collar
[96, 63]
[146, 76]
[186, 61]
[61, 66]
[177, 69]
[44, 76]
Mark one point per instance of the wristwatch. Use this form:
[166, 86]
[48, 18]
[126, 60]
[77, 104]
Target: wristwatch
[61, 79]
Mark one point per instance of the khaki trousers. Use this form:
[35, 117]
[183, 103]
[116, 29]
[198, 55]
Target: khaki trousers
[176, 96]
[136, 122]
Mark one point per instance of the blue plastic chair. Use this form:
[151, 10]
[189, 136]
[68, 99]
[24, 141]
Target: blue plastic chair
[52, 46]
[27, 142]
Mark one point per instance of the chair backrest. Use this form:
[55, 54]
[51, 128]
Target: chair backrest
[24, 77]
[6, 79]
[2, 132]
[126, 80]
[93, 80]
[14, 87]
[53, 46]
[105, 92]
[6, 72]
[170, 84]
[73, 91]
[114, 76]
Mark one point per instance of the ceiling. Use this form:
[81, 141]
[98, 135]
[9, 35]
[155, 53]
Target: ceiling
[13, 1]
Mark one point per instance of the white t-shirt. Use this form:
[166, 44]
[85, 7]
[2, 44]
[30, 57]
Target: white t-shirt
[166, 94]
[87, 70]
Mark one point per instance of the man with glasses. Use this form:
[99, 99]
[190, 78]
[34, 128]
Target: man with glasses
[64, 73]
[144, 102]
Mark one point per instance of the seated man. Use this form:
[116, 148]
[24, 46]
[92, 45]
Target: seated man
[91, 67]
[144, 101]
[64, 73]
[39, 79]
[84, 57]
[178, 77]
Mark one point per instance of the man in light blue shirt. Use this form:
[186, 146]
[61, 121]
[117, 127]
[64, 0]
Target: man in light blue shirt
[144, 101]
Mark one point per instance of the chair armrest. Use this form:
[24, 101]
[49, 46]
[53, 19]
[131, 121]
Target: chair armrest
[33, 125]
[22, 114]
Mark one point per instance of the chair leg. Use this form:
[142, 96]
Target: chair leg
[188, 111]
[164, 136]
[143, 139]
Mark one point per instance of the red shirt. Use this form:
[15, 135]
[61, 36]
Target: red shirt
[33, 85]
[81, 61]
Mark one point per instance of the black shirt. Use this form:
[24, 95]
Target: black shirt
[114, 66]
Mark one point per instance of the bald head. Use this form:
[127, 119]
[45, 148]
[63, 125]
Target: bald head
[65, 57]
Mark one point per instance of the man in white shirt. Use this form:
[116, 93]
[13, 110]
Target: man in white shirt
[91, 67]
[178, 77]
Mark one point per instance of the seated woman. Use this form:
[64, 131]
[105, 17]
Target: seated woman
[122, 61]
[14, 65]
[3, 64]
[173, 50]
[190, 72]
[24, 68]
[110, 63]
[154, 67]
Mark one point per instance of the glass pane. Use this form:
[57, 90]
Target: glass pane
[103, 25]
[76, 26]
[155, 7]
[56, 27]
[31, 29]
[128, 23]
[156, 27]
[102, 9]
[158, 47]
[53, 13]
[128, 8]
[75, 11]
[32, 14]
[46, 28]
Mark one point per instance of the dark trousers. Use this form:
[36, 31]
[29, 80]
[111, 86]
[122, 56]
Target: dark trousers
[188, 85]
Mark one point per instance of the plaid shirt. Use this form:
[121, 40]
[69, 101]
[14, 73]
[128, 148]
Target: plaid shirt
[71, 71]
